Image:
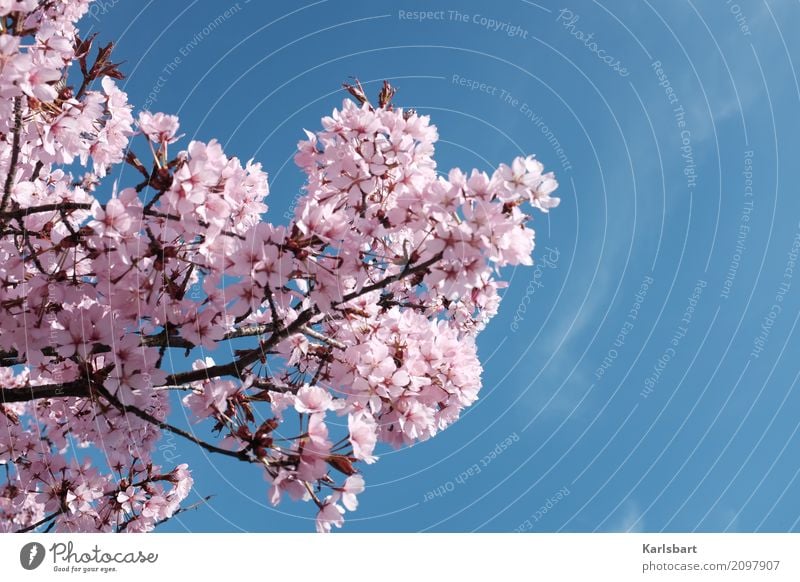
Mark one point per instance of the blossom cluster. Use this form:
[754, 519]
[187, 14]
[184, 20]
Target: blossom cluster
[362, 312]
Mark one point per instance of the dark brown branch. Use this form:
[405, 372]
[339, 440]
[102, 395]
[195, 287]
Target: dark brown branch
[272, 387]
[176, 341]
[12, 166]
[41, 522]
[236, 367]
[36, 169]
[11, 358]
[60, 207]
[78, 389]
[127, 409]
[54, 515]
[407, 270]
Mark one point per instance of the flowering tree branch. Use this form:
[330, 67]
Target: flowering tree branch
[59, 207]
[12, 166]
[366, 304]
[128, 409]
[76, 389]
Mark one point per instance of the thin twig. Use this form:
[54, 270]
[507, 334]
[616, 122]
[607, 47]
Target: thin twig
[191, 507]
[41, 522]
[125, 408]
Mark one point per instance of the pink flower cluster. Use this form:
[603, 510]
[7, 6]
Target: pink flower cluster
[362, 313]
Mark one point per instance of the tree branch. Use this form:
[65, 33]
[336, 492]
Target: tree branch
[59, 207]
[41, 522]
[233, 368]
[78, 389]
[311, 332]
[127, 409]
[12, 167]
[191, 507]
[176, 341]
[81, 389]
[407, 270]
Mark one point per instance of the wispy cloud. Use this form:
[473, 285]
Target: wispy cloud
[628, 518]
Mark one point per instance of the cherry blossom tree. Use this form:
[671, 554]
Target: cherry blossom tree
[354, 324]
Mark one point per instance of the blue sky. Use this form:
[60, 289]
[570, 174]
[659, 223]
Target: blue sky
[639, 378]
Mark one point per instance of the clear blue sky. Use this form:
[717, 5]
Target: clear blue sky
[670, 406]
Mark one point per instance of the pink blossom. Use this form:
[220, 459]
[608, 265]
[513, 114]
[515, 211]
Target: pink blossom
[160, 128]
[286, 481]
[330, 514]
[312, 399]
[363, 436]
[113, 220]
[130, 499]
[353, 485]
